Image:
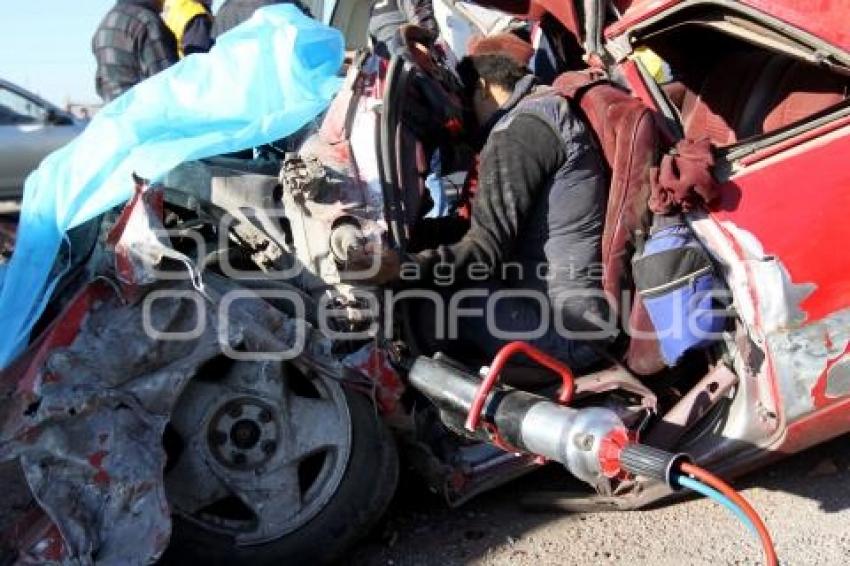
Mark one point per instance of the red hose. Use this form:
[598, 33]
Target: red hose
[502, 357]
[724, 488]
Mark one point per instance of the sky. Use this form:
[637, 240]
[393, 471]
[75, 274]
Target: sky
[45, 47]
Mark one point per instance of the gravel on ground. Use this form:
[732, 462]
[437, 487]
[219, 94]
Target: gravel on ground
[805, 501]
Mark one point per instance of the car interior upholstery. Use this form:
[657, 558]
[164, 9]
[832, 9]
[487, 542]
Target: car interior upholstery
[730, 91]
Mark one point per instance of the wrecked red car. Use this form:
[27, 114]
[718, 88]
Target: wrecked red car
[208, 384]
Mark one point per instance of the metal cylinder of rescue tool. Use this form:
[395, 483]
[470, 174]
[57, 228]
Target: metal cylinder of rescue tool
[529, 422]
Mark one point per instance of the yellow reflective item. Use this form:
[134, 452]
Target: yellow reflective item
[656, 66]
[178, 13]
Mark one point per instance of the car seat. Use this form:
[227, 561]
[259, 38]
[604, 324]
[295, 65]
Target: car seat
[757, 92]
[734, 88]
[802, 93]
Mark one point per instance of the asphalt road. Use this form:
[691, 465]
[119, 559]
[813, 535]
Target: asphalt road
[804, 500]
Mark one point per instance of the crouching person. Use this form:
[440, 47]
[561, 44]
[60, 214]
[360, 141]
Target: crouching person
[529, 266]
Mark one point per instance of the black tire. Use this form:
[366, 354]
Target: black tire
[360, 501]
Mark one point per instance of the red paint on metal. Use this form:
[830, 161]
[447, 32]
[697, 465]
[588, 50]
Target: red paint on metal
[741, 256]
[797, 209]
[121, 223]
[816, 427]
[819, 395]
[636, 84]
[499, 362]
[826, 20]
[499, 441]
[54, 545]
[60, 334]
[101, 477]
[374, 363]
[755, 299]
[37, 538]
[795, 141]
[97, 458]
[638, 12]
[149, 202]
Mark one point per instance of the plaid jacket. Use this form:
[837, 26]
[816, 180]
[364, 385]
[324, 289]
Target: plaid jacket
[131, 44]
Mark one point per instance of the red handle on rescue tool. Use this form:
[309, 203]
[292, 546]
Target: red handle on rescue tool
[506, 353]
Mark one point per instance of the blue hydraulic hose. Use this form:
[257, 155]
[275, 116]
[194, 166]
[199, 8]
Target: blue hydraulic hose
[711, 493]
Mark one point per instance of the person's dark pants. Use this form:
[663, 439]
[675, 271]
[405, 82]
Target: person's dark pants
[480, 336]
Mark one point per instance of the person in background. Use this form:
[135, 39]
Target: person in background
[131, 44]
[234, 12]
[387, 16]
[191, 23]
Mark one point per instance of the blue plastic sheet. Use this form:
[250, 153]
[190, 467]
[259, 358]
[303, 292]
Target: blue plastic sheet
[262, 81]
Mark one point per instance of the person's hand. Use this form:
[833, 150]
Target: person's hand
[370, 266]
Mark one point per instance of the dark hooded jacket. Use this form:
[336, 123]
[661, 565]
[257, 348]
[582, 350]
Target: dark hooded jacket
[131, 44]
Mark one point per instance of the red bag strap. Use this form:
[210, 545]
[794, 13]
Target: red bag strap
[573, 84]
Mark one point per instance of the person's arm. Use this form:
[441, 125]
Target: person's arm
[157, 49]
[517, 163]
[197, 37]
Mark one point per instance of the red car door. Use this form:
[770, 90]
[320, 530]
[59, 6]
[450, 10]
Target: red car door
[792, 199]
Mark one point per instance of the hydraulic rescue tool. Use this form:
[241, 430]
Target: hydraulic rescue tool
[592, 443]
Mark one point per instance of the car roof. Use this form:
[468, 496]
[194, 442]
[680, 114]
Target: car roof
[826, 20]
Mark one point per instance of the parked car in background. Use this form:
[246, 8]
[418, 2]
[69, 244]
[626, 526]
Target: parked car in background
[30, 129]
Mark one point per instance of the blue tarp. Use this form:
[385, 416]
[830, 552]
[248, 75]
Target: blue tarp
[261, 82]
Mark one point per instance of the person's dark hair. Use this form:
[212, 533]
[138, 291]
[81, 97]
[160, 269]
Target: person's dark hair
[496, 69]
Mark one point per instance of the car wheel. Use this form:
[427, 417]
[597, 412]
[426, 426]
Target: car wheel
[270, 466]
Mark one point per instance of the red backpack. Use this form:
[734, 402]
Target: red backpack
[628, 136]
